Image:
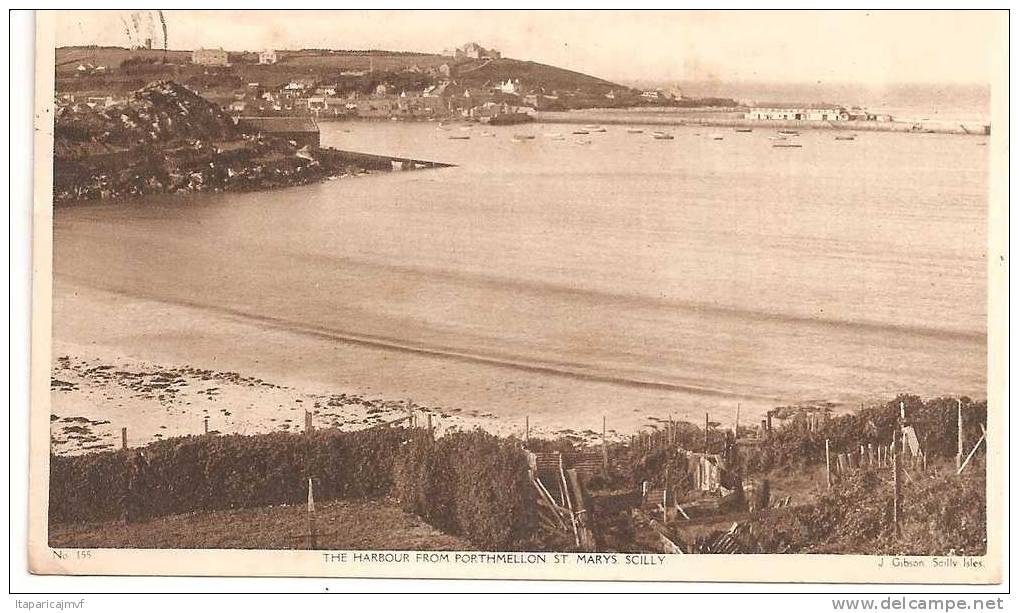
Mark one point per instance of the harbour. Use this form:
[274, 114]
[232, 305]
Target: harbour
[688, 317]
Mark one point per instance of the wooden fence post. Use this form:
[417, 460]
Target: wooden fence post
[123, 438]
[896, 489]
[665, 498]
[604, 446]
[982, 439]
[206, 422]
[527, 429]
[307, 422]
[959, 452]
[311, 515]
[705, 432]
[827, 460]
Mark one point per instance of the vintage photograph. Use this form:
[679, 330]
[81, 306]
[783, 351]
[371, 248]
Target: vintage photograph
[469, 287]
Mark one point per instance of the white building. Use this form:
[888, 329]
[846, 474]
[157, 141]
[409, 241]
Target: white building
[509, 87]
[797, 112]
[267, 57]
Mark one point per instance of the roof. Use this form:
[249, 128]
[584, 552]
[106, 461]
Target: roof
[280, 124]
[795, 105]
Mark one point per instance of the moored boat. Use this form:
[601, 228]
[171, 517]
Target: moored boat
[662, 136]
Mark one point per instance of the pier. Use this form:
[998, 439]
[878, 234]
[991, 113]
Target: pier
[371, 161]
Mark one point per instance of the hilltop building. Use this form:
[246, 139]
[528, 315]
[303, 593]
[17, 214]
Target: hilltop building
[267, 57]
[474, 51]
[797, 112]
[209, 57]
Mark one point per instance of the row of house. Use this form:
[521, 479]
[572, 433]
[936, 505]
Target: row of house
[306, 96]
[782, 111]
[218, 56]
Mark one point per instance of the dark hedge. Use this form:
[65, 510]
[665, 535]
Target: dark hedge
[469, 484]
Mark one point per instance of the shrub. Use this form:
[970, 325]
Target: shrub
[935, 422]
[471, 484]
[940, 516]
[468, 484]
[208, 473]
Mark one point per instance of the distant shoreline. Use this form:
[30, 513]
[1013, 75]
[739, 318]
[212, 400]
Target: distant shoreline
[731, 118]
[702, 116]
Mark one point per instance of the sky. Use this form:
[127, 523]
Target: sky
[865, 47]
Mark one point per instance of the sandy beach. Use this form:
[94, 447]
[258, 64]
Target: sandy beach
[247, 379]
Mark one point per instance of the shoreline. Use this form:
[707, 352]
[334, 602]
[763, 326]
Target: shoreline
[697, 117]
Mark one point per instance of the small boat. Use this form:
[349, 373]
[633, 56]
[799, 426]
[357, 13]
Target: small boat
[717, 136]
[466, 127]
[581, 132]
[849, 137]
[487, 134]
[595, 129]
[459, 137]
[789, 132]
[744, 130]
[523, 137]
[777, 138]
[788, 145]
[583, 141]
[662, 136]
[634, 131]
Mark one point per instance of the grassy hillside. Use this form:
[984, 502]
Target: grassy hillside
[129, 69]
[531, 74]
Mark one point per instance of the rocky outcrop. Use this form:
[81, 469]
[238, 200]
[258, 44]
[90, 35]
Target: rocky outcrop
[165, 139]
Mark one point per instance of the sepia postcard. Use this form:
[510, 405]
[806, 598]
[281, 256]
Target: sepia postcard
[585, 295]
